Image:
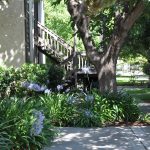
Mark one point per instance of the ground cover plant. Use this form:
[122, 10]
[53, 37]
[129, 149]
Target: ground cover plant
[23, 124]
[80, 109]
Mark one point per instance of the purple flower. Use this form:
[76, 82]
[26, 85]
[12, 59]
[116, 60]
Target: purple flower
[89, 98]
[59, 87]
[25, 84]
[88, 113]
[47, 91]
[34, 87]
[38, 123]
[43, 88]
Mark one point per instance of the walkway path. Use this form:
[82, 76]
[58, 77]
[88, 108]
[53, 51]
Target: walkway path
[108, 138]
[144, 107]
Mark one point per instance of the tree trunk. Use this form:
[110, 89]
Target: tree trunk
[104, 62]
[107, 76]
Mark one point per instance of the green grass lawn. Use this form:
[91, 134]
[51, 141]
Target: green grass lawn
[141, 94]
[123, 80]
[131, 80]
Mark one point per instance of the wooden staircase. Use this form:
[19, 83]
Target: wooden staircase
[63, 53]
[55, 47]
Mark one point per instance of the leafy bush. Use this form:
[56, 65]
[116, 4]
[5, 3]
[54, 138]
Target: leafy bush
[8, 81]
[145, 118]
[34, 73]
[89, 110]
[1, 69]
[11, 79]
[18, 119]
[118, 106]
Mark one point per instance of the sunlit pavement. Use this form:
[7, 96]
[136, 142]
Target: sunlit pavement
[108, 138]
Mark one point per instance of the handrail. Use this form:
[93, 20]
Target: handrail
[55, 36]
[56, 45]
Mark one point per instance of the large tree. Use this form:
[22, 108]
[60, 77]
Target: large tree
[125, 15]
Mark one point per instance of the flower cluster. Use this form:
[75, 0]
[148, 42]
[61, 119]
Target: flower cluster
[72, 100]
[33, 86]
[38, 123]
[89, 98]
[36, 87]
[59, 87]
[47, 91]
[88, 113]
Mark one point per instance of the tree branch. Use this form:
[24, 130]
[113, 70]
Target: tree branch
[132, 16]
[124, 25]
[78, 12]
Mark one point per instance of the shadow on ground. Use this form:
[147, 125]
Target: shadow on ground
[109, 138]
[144, 107]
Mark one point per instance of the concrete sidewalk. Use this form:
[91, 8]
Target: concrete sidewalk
[108, 138]
[144, 107]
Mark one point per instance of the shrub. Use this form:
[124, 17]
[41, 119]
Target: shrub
[90, 110]
[17, 121]
[8, 81]
[34, 73]
[56, 108]
[145, 118]
[119, 107]
[11, 79]
[1, 69]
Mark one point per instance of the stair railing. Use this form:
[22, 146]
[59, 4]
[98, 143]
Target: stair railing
[60, 48]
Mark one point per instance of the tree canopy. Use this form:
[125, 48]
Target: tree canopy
[138, 41]
[109, 22]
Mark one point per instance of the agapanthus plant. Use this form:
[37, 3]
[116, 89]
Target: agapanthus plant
[38, 122]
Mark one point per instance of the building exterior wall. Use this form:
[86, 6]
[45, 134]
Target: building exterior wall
[12, 33]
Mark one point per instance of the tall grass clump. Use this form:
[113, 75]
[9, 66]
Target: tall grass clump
[23, 125]
[89, 109]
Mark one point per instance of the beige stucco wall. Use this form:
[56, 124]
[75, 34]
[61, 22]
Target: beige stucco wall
[12, 33]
